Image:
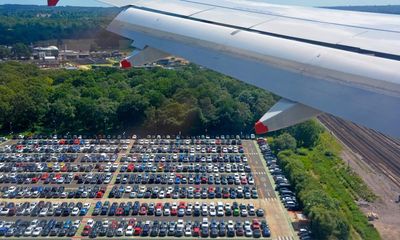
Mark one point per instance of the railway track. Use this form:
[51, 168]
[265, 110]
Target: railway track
[381, 152]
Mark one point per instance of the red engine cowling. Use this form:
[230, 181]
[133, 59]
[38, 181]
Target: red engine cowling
[52, 3]
[125, 64]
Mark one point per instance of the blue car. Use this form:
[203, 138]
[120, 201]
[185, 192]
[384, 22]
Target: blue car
[3, 231]
[177, 180]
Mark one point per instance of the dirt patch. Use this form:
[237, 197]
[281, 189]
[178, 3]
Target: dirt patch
[386, 207]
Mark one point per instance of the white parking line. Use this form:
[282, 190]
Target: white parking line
[284, 238]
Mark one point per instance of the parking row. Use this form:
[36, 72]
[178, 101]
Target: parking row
[175, 192]
[39, 228]
[187, 167]
[56, 157]
[54, 178]
[13, 179]
[131, 167]
[183, 157]
[283, 186]
[20, 192]
[190, 149]
[177, 178]
[62, 149]
[73, 141]
[188, 141]
[180, 209]
[61, 167]
[43, 209]
[206, 228]
[42, 157]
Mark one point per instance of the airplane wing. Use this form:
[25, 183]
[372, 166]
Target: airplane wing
[341, 62]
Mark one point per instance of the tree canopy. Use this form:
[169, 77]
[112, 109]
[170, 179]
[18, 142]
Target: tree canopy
[190, 100]
[28, 24]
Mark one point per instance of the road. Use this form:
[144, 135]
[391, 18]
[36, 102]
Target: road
[265, 189]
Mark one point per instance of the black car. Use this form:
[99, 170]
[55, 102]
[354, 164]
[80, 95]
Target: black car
[230, 233]
[163, 232]
[204, 232]
[266, 232]
[256, 233]
[214, 233]
[154, 232]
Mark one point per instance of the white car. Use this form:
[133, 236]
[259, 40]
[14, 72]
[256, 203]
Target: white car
[75, 211]
[105, 224]
[90, 222]
[167, 212]
[180, 223]
[86, 205]
[128, 189]
[248, 232]
[129, 231]
[43, 212]
[28, 231]
[4, 211]
[188, 232]
[212, 212]
[76, 223]
[220, 212]
[244, 213]
[36, 232]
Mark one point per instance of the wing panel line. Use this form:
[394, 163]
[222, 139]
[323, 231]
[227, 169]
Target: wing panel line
[303, 40]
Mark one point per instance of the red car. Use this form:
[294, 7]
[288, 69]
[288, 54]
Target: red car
[143, 211]
[44, 176]
[196, 232]
[159, 206]
[204, 180]
[86, 231]
[256, 224]
[138, 231]
[174, 212]
[99, 194]
[182, 205]
[119, 212]
[131, 167]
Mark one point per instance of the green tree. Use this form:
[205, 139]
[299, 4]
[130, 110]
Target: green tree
[328, 224]
[306, 133]
[5, 52]
[283, 142]
[20, 50]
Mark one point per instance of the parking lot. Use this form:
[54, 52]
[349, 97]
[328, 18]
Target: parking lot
[151, 187]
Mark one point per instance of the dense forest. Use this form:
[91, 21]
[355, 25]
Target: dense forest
[28, 23]
[191, 100]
